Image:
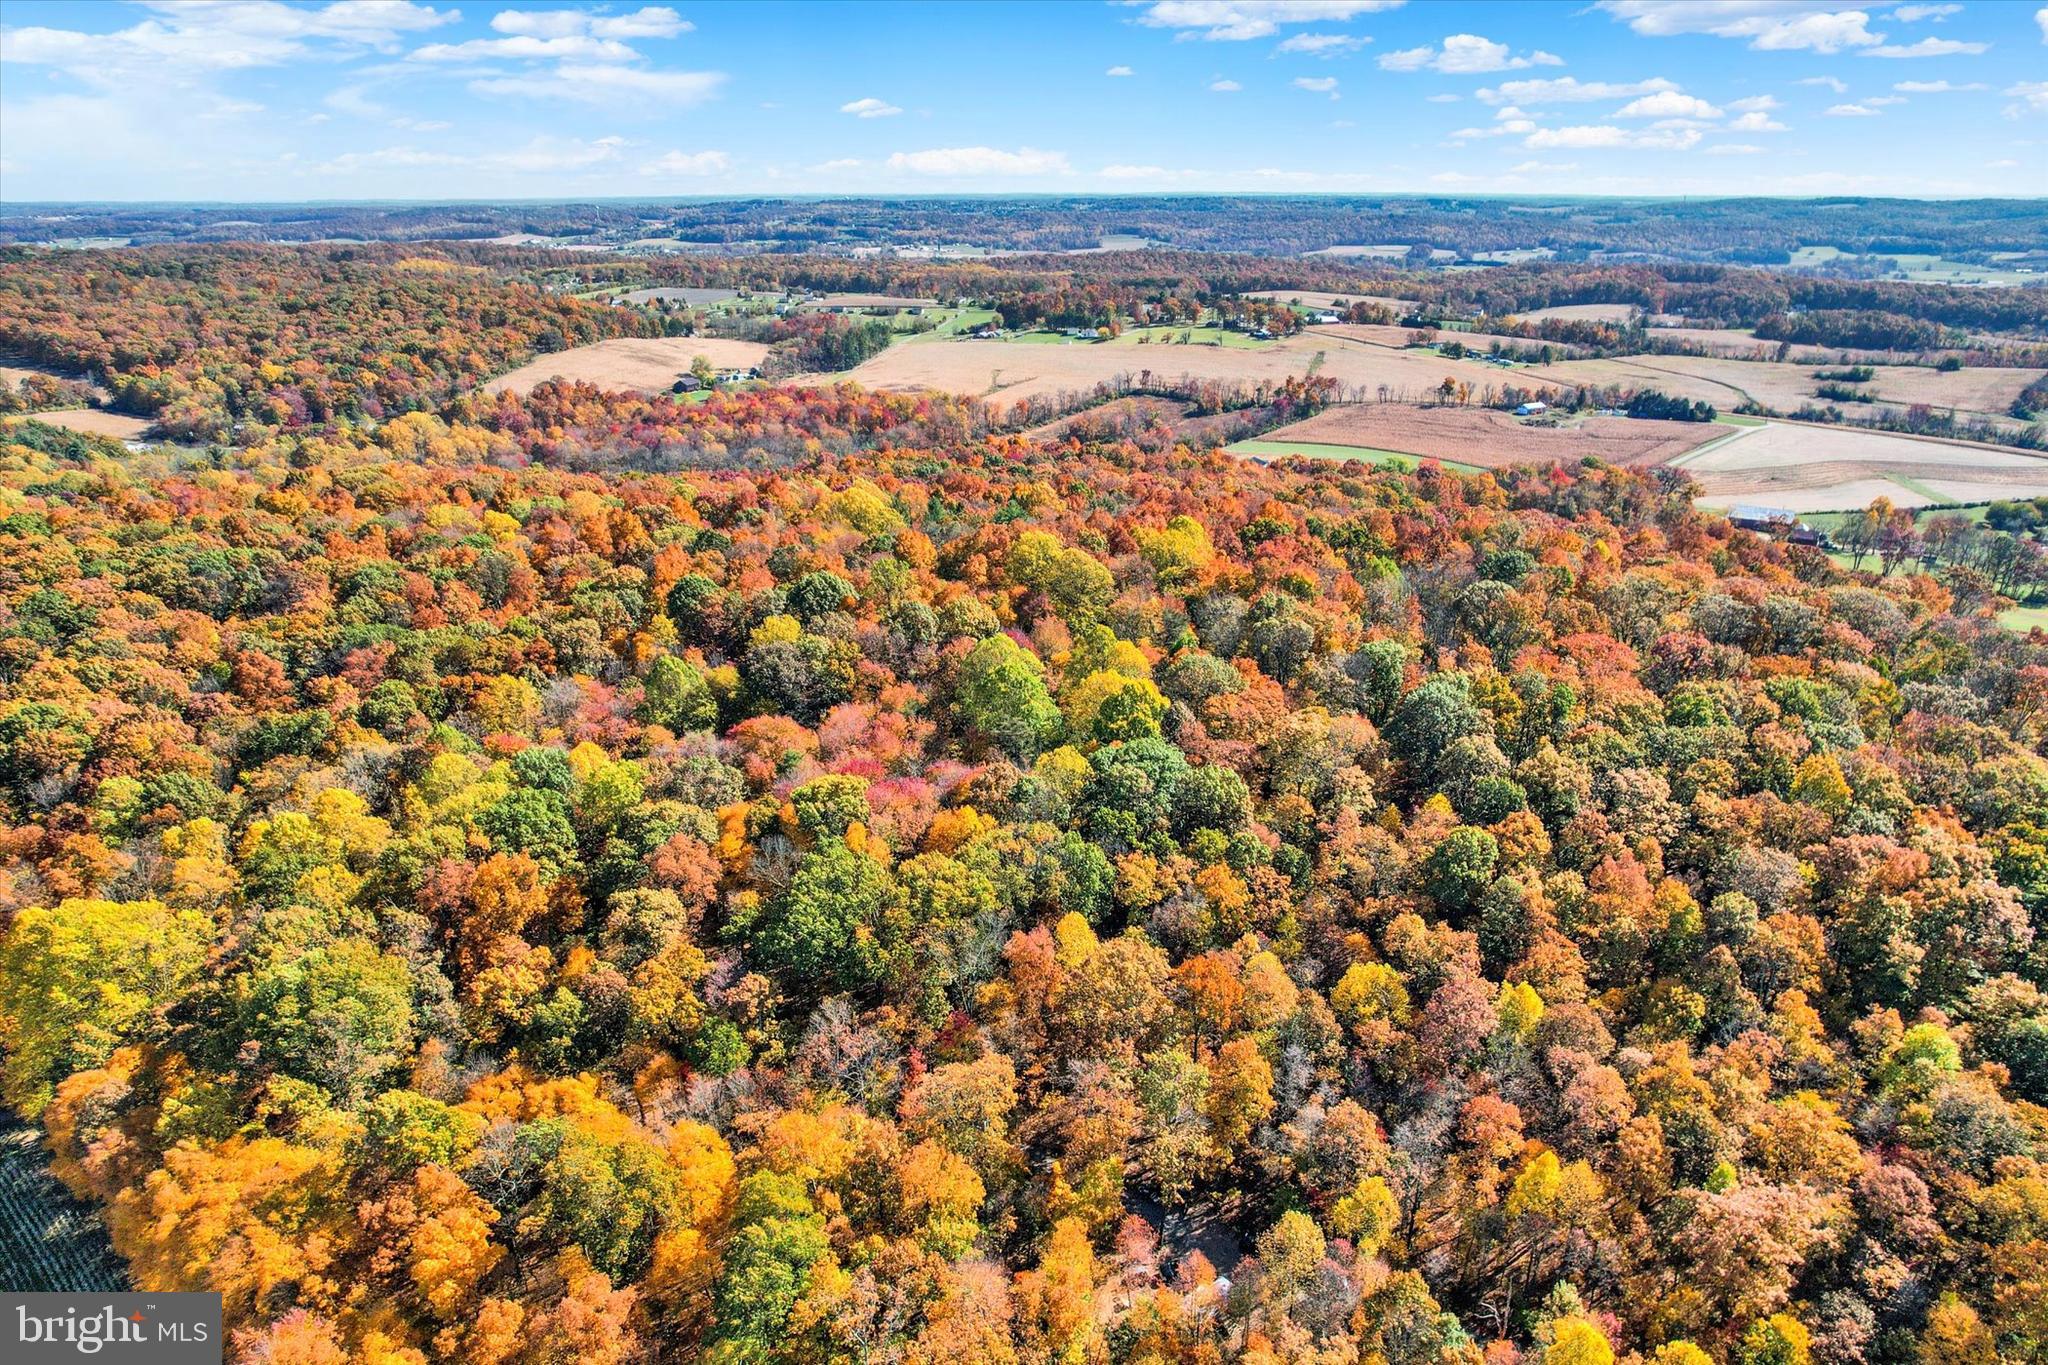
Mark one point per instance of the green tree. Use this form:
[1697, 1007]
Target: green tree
[82, 979]
[1002, 694]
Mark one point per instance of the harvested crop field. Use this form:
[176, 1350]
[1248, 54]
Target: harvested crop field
[1818, 469]
[1494, 440]
[95, 422]
[1014, 370]
[1314, 298]
[1785, 387]
[49, 1241]
[649, 364]
[1582, 312]
[1377, 334]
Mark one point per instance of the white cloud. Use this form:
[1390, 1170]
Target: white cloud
[1733, 149]
[1667, 104]
[1445, 98]
[625, 86]
[870, 108]
[1508, 121]
[1241, 20]
[1834, 83]
[2032, 97]
[1936, 87]
[1608, 135]
[217, 35]
[1769, 25]
[1753, 103]
[1880, 101]
[2041, 18]
[570, 47]
[1319, 85]
[1850, 111]
[977, 161]
[1224, 87]
[1466, 54]
[688, 163]
[1570, 90]
[1913, 14]
[1756, 121]
[1927, 47]
[651, 22]
[1323, 44]
[1544, 167]
[1119, 71]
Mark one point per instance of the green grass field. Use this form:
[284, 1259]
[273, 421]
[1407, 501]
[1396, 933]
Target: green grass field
[1383, 459]
[1197, 336]
[2024, 619]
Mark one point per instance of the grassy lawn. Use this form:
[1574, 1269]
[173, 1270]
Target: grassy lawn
[1833, 522]
[2024, 618]
[1384, 459]
[1197, 336]
[961, 320]
[1736, 419]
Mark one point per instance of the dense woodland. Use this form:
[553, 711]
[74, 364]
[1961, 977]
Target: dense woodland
[1730, 230]
[804, 876]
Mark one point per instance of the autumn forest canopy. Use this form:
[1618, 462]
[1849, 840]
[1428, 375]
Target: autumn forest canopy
[780, 874]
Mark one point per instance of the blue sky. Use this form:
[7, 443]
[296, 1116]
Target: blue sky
[262, 100]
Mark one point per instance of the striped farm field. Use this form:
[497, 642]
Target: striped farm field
[49, 1242]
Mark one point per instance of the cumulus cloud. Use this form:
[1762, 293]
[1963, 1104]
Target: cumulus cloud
[980, 161]
[1570, 90]
[211, 35]
[1756, 121]
[1319, 85]
[1224, 87]
[606, 85]
[650, 22]
[526, 47]
[2031, 97]
[1668, 104]
[1323, 44]
[1733, 149]
[676, 163]
[1238, 21]
[1507, 121]
[1466, 54]
[1936, 87]
[1119, 71]
[1769, 25]
[870, 108]
[2041, 19]
[1927, 47]
[1850, 111]
[1834, 83]
[1913, 14]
